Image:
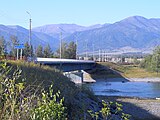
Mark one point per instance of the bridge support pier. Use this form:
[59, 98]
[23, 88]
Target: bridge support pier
[75, 76]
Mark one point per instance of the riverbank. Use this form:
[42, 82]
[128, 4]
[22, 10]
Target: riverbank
[140, 109]
[127, 80]
[112, 72]
[129, 71]
[144, 79]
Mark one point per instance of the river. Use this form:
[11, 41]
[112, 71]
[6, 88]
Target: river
[126, 89]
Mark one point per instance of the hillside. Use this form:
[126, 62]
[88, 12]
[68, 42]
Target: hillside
[22, 35]
[54, 30]
[136, 32]
[38, 77]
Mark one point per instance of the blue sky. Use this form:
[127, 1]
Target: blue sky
[82, 12]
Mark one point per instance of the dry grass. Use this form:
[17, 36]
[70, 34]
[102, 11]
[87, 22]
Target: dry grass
[130, 71]
[136, 72]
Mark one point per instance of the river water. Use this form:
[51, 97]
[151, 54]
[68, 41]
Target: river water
[129, 89]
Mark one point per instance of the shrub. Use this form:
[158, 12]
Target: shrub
[109, 111]
[49, 107]
[18, 102]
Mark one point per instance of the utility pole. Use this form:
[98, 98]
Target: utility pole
[30, 24]
[99, 55]
[105, 56]
[102, 55]
[60, 50]
[17, 54]
[86, 49]
[76, 49]
[93, 52]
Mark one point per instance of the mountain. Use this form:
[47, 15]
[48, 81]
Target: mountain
[42, 35]
[54, 30]
[136, 32]
[22, 35]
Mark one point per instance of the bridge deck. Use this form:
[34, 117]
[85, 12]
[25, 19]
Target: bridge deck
[57, 60]
[67, 64]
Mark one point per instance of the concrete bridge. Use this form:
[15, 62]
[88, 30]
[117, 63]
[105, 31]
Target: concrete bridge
[67, 65]
[71, 68]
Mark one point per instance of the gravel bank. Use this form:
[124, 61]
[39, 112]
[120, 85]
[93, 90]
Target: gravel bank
[144, 79]
[140, 109]
[130, 79]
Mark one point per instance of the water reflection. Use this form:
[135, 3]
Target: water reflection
[130, 89]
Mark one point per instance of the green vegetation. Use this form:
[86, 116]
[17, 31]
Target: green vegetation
[3, 50]
[28, 50]
[118, 67]
[110, 111]
[106, 70]
[34, 80]
[68, 50]
[152, 62]
[18, 101]
[30, 91]
[39, 51]
[47, 52]
[14, 41]
[48, 108]
[119, 70]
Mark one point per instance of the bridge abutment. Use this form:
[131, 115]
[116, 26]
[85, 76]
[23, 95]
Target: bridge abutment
[75, 76]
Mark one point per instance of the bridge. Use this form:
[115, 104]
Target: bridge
[71, 68]
[66, 65]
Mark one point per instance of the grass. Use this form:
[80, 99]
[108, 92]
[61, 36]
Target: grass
[35, 75]
[114, 66]
[129, 71]
[107, 70]
[137, 72]
[77, 100]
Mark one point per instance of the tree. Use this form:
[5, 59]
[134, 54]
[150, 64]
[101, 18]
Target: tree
[64, 49]
[47, 51]
[14, 41]
[28, 50]
[152, 62]
[31, 51]
[146, 63]
[68, 50]
[3, 46]
[156, 59]
[72, 50]
[39, 51]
